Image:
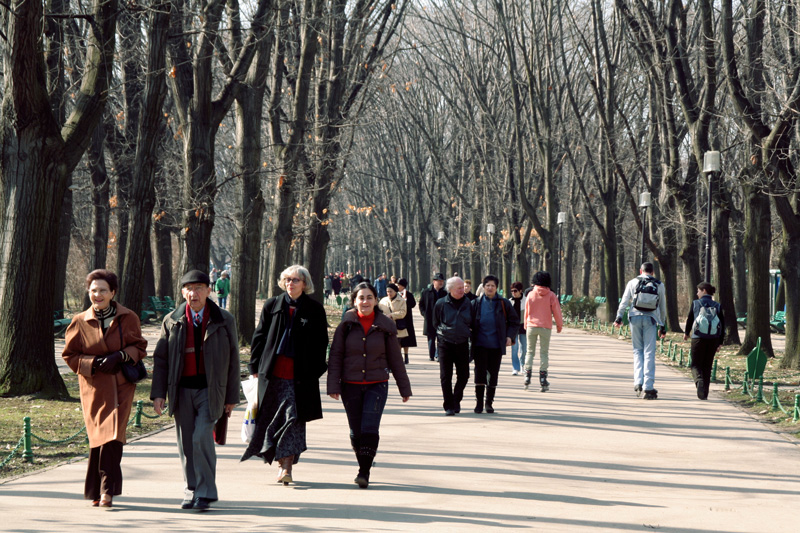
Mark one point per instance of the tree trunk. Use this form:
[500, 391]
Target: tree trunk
[757, 251]
[789, 263]
[62, 249]
[721, 238]
[163, 259]
[567, 267]
[142, 187]
[739, 273]
[36, 160]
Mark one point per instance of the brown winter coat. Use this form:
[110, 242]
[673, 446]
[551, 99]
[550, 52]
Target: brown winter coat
[106, 398]
[357, 357]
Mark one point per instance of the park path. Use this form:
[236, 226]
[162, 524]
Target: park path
[586, 456]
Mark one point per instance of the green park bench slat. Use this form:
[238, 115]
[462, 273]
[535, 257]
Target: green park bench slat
[60, 324]
[778, 322]
[160, 307]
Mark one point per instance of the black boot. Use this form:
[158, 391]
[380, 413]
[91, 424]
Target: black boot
[366, 456]
[543, 380]
[406, 357]
[490, 399]
[528, 378]
[479, 398]
[355, 442]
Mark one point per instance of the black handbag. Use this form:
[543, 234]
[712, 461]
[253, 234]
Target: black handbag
[133, 373]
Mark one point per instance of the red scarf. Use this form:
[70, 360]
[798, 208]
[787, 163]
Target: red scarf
[366, 321]
[193, 364]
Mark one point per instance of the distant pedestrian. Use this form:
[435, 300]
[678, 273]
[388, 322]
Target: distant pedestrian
[336, 284]
[706, 326]
[364, 352]
[410, 340]
[468, 290]
[645, 296]
[394, 306]
[541, 307]
[223, 288]
[328, 284]
[427, 300]
[97, 343]
[520, 348]
[452, 320]
[494, 327]
[380, 285]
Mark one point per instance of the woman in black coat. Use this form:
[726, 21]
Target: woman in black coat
[410, 340]
[288, 357]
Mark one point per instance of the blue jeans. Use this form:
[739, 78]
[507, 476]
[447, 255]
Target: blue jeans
[223, 302]
[364, 406]
[432, 346]
[522, 343]
[644, 334]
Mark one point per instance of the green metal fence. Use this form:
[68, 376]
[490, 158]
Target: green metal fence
[28, 436]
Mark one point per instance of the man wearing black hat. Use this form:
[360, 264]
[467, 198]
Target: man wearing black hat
[427, 300]
[196, 368]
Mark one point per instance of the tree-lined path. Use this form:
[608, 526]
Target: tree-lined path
[585, 456]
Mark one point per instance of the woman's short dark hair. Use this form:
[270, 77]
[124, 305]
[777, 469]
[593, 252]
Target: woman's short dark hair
[104, 275]
[403, 282]
[489, 278]
[516, 285]
[360, 287]
[706, 286]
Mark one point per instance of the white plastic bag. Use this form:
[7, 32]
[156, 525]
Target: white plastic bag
[250, 388]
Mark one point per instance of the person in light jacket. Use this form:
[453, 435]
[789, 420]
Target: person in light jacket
[394, 306]
[363, 353]
[410, 340]
[541, 307]
[97, 342]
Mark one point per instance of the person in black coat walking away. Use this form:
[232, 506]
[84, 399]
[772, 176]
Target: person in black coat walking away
[427, 301]
[363, 353]
[287, 355]
[494, 327]
[409, 341]
[706, 326]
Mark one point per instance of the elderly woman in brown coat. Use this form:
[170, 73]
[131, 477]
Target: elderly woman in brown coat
[363, 352]
[98, 342]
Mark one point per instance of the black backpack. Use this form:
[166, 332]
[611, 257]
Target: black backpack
[645, 298]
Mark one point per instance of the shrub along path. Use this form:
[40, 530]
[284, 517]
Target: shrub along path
[588, 456]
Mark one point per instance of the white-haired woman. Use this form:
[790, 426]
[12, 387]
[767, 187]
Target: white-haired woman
[287, 355]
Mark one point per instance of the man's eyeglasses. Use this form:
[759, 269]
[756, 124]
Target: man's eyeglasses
[292, 280]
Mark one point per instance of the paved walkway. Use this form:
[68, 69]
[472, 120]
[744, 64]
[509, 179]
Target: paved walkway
[586, 456]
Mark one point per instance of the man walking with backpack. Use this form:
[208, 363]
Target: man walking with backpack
[706, 325]
[644, 294]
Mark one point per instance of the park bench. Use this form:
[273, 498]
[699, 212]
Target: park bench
[565, 298]
[169, 301]
[778, 322]
[146, 316]
[60, 324]
[741, 320]
[599, 299]
[160, 307]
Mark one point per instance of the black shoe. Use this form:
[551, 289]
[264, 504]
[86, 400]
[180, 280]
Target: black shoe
[638, 390]
[405, 359]
[457, 409]
[449, 412]
[431, 358]
[362, 480]
[651, 394]
[188, 503]
[202, 504]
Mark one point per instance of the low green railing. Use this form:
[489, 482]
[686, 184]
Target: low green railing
[28, 436]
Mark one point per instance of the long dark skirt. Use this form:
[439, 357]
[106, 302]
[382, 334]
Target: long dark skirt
[278, 432]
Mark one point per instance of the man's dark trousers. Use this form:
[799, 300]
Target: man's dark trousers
[453, 355]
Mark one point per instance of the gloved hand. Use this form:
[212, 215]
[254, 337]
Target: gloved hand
[110, 363]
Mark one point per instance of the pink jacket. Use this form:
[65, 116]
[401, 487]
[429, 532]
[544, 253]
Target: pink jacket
[540, 308]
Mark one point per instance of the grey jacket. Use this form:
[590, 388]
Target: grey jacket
[220, 355]
[659, 314]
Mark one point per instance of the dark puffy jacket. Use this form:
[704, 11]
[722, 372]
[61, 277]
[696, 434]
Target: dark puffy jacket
[357, 357]
[427, 302]
[505, 318]
[453, 324]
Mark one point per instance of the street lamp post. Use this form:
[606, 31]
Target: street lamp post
[562, 217]
[409, 240]
[644, 203]
[711, 165]
[490, 231]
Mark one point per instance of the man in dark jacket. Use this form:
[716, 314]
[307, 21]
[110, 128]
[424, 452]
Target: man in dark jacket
[495, 325]
[427, 301]
[196, 367]
[452, 318]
